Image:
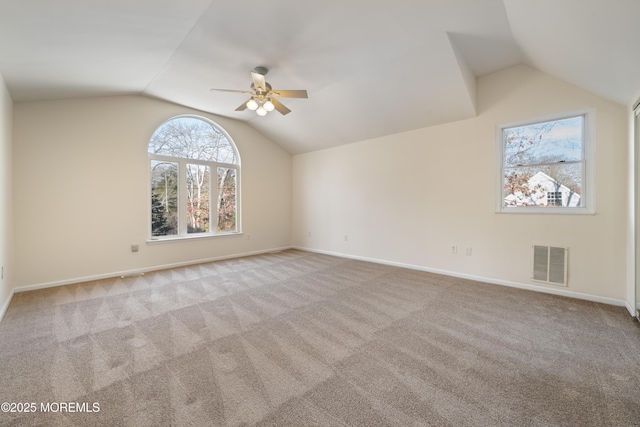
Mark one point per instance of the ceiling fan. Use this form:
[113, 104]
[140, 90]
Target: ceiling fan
[263, 96]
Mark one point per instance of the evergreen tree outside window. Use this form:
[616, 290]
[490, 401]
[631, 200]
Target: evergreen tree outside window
[185, 198]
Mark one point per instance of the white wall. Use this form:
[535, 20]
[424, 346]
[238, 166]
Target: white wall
[6, 225]
[81, 190]
[407, 197]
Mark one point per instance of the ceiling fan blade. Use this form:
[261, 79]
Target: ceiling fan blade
[290, 93]
[258, 81]
[231, 90]
[279, 107]
[243, 106]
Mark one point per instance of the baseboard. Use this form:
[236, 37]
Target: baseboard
[5, 306]
[560, 292]
[635, 313]
[629, 307]
[139, 271]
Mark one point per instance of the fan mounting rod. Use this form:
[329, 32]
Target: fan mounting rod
[261, 70]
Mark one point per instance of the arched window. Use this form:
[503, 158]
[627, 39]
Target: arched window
[195, 177]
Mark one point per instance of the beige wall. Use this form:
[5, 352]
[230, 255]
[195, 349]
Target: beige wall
[6, 225]
[407, 197]
[81, 190]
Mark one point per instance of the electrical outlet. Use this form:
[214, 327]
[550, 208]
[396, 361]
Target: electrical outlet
[454, 249]
[467, 251]
[134, 248]
[248, 236]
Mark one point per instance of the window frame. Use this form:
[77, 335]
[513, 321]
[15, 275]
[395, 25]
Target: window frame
[182, 162]
[587, 198]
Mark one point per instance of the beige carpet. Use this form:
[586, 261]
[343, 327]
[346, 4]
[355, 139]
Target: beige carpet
[302, 339]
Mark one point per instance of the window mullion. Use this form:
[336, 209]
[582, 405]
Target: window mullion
[213, 197]
[536, 165]
[541, 165]
[182, 197]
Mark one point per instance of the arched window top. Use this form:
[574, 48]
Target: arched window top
[193, 138]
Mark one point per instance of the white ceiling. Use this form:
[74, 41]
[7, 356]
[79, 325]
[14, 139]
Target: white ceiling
[371, 68]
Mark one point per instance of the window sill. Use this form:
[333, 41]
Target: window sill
[193, 237]
[546, 211]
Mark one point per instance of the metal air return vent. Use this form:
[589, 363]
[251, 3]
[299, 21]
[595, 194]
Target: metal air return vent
[550, 265]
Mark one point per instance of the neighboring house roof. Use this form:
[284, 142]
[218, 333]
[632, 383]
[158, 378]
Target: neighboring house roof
[540, 184]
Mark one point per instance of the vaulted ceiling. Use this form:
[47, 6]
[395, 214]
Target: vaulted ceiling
[371, 68]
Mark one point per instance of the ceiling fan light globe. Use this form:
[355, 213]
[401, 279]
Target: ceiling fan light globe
[268, 105]
[252, 104]
[261, 111]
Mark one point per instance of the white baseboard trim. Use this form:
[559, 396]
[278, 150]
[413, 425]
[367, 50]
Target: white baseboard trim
[632, 312]
[5, 306]
[139, 271]
[560, 292]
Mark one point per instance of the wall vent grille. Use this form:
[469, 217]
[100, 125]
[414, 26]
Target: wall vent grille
[550, 265]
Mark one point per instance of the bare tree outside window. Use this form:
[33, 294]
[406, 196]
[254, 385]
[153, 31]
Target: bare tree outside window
[192, 138]
[198, 198]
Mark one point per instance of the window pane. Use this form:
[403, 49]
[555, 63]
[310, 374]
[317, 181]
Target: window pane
[227, 199]
[197, 198]
[548, 142]
[191, 138]
[547, 186]
[164, 198]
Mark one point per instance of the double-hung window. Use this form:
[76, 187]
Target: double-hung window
[546, 165]
[194, 180]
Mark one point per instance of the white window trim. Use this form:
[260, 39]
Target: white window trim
[588, 179]
[182, 162]
[176, 238]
